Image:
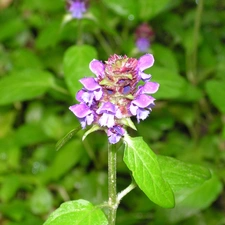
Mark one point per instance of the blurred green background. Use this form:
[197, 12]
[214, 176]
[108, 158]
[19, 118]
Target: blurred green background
[42, 56]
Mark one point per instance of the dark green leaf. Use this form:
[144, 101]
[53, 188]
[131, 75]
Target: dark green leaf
[143, 163]
[65, 159]
[78, 212]
[172, 85]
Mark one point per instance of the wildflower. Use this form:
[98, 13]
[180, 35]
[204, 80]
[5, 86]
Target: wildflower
[77, 8]
[144, 35]
[109, 100]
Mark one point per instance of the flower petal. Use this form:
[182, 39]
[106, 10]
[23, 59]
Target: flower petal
[107, 107]
[145, 77]
[80, 110]
[149, 88]
[90, 83]
[97, 68]
[107, 120]
[143, 101]
[145, 61]
[142, 114]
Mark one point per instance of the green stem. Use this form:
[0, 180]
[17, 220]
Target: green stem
[194, 55]
[112, 201]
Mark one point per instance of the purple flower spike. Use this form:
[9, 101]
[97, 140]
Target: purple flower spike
[77, 8]
[115, 133]
[145, 62]
[97, 68]
[108, 111]
[84, 114]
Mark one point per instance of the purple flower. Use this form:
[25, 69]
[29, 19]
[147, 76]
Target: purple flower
[97, 68]
[146, 61]
[143, 44]
[141, 106]
[77, 8]
[108, 111]
[144, 34]
[92, 90]
[110, 99]
[115, 133]
[83, 113]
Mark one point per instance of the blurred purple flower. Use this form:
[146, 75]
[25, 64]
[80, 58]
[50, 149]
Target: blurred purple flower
[144, 34]
[143, 44]
[77, 8]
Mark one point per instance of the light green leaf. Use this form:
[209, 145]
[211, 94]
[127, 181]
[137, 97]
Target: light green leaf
[24, 85]
[79, 212]
[76, 66]
[123, 7]
[149, 9]
[41, 201]
[92, 129]
[143, 163]
[182, 175]
[216, 92]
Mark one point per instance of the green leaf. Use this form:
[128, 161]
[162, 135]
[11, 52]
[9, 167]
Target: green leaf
[191, 201]
[172, 85]
[10, 185]
[143, 163]
[123, 7]
[216, 92]
[24, 85]
[79, 212]
[41, 201]
[149, 9]
[65, 159]
[182, 175]
[91, 130]
[168, 60]
[65, 139]
[76, 66]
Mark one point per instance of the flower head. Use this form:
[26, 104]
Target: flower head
[144, 35]
[77, 8]
[110, 99]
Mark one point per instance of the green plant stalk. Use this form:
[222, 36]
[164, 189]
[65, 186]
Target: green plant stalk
[112, 192]
[193, 57]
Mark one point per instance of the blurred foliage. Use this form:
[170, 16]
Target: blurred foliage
[37, 87]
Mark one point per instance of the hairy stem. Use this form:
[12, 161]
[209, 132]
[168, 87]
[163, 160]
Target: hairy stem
[112, 201]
